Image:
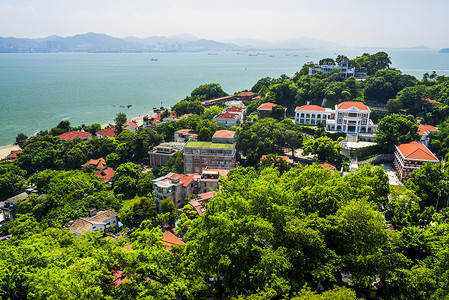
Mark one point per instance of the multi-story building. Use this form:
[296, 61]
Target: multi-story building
[312, 114]
[162, 153]
[232, 116]
[201, 155]
[346, 69]
[348, 116]
[411, 156]
[176, 187]
[425, 131]
[351, 117]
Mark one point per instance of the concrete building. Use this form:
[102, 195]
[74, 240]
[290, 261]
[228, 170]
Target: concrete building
[201, 155]
[162, 153]
[231, 116]
[411, 156]
[176, 187]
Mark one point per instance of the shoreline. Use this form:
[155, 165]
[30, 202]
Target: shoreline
[5, 150]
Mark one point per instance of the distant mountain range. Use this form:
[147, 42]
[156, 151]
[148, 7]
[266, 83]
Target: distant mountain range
[95, 42]
[444, 50]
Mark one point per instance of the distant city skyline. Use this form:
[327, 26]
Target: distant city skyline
[350, 23]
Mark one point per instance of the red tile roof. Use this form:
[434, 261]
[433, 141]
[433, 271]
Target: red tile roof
[348, 104]
[416, 151]
[106, 174]
[185, 179]
[236, 109]
[266, 106]
[13, 155]
[228, 116]
[107, 132]
[425, 129]
[130, 124]
[328, 166]
[68, 136]
[310, 108]
[224, 134]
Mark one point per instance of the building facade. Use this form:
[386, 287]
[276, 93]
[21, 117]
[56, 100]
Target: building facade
[201, 155]
[411, 156]
[176, 187]
[312, 114]
[425, 131]
[162, 153]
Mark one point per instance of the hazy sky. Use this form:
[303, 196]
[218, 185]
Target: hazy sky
[384, 23]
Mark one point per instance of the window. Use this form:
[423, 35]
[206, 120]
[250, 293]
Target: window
[318, 116]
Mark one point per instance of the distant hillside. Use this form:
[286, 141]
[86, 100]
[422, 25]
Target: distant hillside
[293, 44]
[444, 50]
[96, 42]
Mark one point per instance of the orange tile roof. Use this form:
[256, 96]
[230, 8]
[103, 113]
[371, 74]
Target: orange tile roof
[286, 158]
[99, 163]
[310, 108]
[266, 106]
[429, 100]
[424, 129]
[171, 240]
[106, 174]
[416, 151]
[206, 196]
[68, 136]
[348, 104]
[326, 165]
[244, 94]
[224, 134]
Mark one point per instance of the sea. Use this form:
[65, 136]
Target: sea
[38, 90]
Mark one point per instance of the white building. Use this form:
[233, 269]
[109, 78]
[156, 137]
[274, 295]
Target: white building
[312, 114]
[348, 116]
[346, 69]
[102, 220]
[425, 131]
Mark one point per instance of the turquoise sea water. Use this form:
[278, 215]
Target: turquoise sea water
[37, 91]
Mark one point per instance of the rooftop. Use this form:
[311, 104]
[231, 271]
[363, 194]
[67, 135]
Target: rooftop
[416, 151]
[310, 108]
[99, 163]
[266, 106]
[209, 145]
[107, 132]
[224, 134]
[106, 174]
[425, 129]
[171, 240]
[68, 136]
[350, 104]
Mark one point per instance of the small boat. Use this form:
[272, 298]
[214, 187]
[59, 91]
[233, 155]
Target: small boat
[270, 55]
[212, 53]
[154, 59]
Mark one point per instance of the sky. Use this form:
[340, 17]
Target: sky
[351, 23]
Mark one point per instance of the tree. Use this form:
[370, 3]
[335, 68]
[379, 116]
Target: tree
[376, 88]
[327, 61]
[119, 121]
[125, 185]
[278, 112]
[168, 209]
[12, 180]
[326, 149]
[21, 139]
[73, 158]
[395, 129]
[206, 92]
[174, 164]
[142, 210]
[127, 169]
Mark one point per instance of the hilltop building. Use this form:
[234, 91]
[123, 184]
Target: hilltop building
[162, 153]
[348, 116]
[346, 69]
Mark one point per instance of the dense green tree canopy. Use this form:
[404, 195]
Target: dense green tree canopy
[395, 129]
